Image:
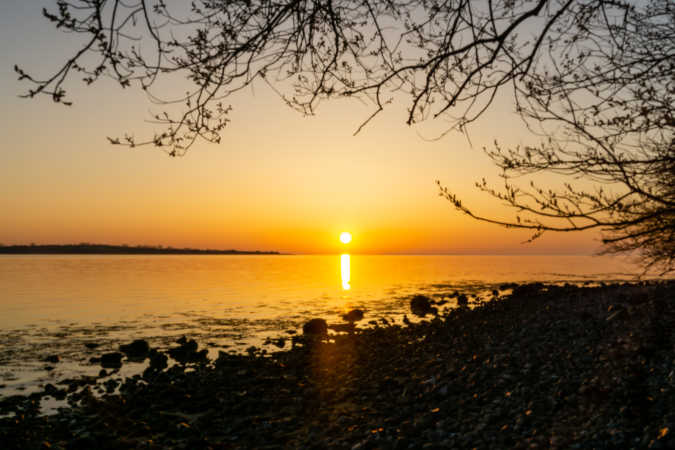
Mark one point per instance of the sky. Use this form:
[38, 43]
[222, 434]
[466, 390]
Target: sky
[277, 181]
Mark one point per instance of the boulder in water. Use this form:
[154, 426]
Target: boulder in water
[111, 360]
[53, 359]
[315, 327]
[353, 316]
[462, 300]
[137, 349]
[420, 305]
[187, 352]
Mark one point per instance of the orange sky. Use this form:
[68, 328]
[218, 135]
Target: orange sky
[278, 181]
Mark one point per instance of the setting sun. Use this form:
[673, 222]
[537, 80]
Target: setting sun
[345, 237]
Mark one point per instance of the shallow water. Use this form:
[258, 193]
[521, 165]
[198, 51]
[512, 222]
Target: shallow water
[54, 304]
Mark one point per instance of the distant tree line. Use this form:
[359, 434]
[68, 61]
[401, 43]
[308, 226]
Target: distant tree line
[86, 248]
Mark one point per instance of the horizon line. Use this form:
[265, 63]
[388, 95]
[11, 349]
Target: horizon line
[160, 249]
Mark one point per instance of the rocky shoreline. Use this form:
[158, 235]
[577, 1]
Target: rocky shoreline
[543, 367]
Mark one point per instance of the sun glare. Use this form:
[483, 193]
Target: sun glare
[345, 271]
[345, 237]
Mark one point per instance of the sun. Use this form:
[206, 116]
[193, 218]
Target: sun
[345, 237]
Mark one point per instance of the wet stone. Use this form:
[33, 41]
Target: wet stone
[462, 300]
[315, 327]
[111, 385]
[138, 349]
[52, 359]
[55, 392]
[187, 352]
[111, 360]
[353, 316]
[420, 305]
[158, 361]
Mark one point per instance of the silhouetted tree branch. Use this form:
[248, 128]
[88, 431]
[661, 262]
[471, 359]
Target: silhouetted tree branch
[605, 105]
[441, 55]
[593, 77]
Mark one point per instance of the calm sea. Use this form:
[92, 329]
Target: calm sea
[54, 304]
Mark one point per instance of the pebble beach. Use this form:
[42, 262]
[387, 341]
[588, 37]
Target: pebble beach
[544, 366]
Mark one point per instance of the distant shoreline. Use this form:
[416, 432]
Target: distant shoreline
[104, 249]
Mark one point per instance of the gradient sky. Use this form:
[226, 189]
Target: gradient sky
[278, 181]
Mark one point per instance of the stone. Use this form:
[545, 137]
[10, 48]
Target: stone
[55, 392]
[137, 349]
[420, 305]
[158, 361]
[187, 352]
[315, 327]
[462, 300]
[111, 360]
[53, 359]
[111, 385]
[353, 316]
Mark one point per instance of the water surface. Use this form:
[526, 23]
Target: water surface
[54, 304]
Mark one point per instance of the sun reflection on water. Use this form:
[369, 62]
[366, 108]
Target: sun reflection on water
[345, 271]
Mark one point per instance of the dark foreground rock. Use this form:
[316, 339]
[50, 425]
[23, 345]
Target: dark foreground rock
[354, 315]
[138, 349]
[548, 367]
[111, 360]
[53, 359]
[186, 352]
[315, 327]
[420, 305]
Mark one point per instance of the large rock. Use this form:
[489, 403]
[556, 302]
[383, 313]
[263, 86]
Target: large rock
[158, 362]
[420, 305]
[53, 359]
[462, 300]
[187, 352]
[111, 360]
[315, 327]
[138, 349]
[353, 316]
[58, 394]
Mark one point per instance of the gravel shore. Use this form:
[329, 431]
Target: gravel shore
[543, 367]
